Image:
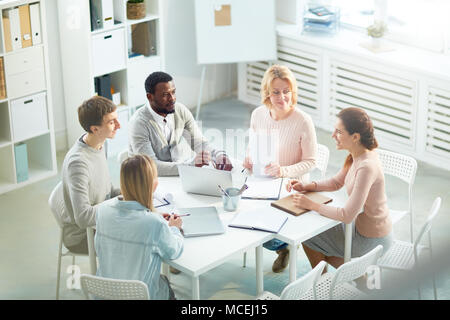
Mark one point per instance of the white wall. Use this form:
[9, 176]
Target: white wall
[181, 58]
[57, 90]
[180, 61]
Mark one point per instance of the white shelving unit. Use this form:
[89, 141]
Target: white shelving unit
[87, 54]
[26, 114]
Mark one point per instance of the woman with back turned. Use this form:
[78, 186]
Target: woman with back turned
[131, 237]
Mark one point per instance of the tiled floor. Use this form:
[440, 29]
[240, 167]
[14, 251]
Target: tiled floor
[29, 234]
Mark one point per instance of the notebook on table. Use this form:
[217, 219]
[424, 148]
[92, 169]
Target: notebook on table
[201, 221]
[263, 219]
[260, 188]
[287, 203]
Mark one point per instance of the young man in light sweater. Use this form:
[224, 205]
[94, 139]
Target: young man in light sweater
[85, 176]
[166, 131]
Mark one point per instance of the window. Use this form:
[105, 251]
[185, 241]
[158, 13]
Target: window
[422, 23]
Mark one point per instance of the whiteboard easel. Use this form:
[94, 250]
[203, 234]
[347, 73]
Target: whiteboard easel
[246, 33]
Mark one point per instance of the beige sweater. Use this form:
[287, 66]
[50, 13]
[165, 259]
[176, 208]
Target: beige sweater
[297, 140]
[364, 182]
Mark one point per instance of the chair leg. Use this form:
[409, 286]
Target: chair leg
[244, 263]
[58, 271]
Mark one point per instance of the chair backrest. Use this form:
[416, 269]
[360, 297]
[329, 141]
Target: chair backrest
[355, 268]
[113, 289]
[122, 155]
[398, 165]
[323, 155]
[56, 203]
[299, 287]
[427, 225]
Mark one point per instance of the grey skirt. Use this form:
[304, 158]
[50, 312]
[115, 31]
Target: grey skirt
[332, 242]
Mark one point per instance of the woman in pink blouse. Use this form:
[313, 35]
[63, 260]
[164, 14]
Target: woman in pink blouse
[363, 179]
[292, 128]
[293, 136]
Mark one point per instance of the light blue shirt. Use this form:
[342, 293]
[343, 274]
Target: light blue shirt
[131, 241]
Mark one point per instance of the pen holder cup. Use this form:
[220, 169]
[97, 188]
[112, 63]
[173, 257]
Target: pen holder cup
[231, 203]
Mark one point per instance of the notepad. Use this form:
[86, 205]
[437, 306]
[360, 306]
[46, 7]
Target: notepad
[263, 219]
[287, 203]
[161, 199]
[201, 221]
[262, 188]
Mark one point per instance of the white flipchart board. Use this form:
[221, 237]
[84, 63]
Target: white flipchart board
[246, 32]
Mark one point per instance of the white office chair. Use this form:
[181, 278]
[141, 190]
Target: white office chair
[336, 286]
[95, 287]
[56, 203]
[405, 256]
[323, 155]
[404, 168]
[297, 289]
[122, 155]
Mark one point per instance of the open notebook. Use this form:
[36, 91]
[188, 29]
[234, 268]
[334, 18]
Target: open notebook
[262, 188]
[264, 219]
[287, 203]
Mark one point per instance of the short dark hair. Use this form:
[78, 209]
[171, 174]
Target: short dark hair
[155, 78]
[92, 111]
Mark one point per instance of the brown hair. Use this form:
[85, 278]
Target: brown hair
[92, 111]
[356, 120]
[277, 72]
[137, 177]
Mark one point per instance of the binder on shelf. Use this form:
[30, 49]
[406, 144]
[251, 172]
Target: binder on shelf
[107, 13]
[35, 21]
[25, 26]
[141, 39]
[21, 159]
[287, 204]
[102, 14]
[103, 86]
[2, 80]
[7, 31]
[14, 21]
[262, 219]
[96, 15]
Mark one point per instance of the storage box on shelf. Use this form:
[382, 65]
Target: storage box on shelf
[126, 52]
[27, 151]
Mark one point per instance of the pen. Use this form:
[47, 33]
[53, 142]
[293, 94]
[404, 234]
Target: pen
[223, 191]
[181, 215]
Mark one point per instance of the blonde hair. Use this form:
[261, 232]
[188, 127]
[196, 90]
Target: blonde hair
[277, 71]
[138, 175]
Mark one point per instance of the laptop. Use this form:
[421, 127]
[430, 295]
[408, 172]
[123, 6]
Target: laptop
[202, 221]
[204, 180]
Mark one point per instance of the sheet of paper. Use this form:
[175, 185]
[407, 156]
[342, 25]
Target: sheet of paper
[263, 188]
[263, 146]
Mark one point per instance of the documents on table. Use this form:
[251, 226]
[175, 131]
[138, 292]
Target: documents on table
[263, 219]
[161, 199]
[262, 188]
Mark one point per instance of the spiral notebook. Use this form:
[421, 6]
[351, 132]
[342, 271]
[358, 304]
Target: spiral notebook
[287, 203]
[262, 219]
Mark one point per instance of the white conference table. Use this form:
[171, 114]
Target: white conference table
[202, 254]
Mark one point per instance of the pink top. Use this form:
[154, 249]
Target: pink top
[297, 140]
[364, 181]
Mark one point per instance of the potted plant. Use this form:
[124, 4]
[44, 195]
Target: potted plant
[376, 31]
[135, 9]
